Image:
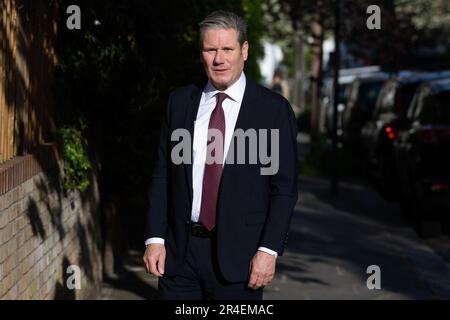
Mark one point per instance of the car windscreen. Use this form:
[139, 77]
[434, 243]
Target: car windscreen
[368, 94]
[403, 98]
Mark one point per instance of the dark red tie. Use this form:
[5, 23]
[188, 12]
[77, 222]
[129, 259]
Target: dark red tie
[213, 171]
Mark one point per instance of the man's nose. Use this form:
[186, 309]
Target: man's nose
[218, 59]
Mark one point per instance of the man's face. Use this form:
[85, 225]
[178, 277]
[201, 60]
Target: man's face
[223, 57]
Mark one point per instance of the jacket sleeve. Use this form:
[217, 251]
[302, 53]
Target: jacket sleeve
[283, 192]
[157, 192]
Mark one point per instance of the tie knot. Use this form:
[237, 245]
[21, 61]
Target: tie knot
[220, 97]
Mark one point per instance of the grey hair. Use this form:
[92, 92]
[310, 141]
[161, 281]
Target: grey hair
[224, 20]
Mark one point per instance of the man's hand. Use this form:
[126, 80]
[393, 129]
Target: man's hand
[155, 259]
[262, 270]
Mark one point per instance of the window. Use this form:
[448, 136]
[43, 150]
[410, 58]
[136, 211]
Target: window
[368, 94]
[436, 109]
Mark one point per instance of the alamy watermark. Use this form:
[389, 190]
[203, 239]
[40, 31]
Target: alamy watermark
[74, 20]
[74, 279]
[374, 280]
[258, 148]
[374, 20]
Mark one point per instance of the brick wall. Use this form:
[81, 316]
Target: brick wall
[44, 230]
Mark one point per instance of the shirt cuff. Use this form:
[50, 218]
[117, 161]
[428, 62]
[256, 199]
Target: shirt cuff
[267, 250]
[154, 240]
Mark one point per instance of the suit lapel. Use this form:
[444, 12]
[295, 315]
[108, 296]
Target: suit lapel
[246, 115]
[246, 111]
[191, 116]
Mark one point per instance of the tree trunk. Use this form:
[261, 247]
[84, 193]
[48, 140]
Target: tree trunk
[316, 79]
[299, 80]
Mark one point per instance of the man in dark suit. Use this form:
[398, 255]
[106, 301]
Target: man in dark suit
[215, 228]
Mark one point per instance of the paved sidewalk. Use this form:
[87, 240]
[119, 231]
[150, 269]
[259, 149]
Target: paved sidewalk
[133, 283]
[333, 241]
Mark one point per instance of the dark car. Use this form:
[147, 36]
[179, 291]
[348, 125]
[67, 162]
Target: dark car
[361, 99]
[346, 78]
[422, 151]
[327, 103]
[380, 132]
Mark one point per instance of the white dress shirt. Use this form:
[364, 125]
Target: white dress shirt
[231, 106]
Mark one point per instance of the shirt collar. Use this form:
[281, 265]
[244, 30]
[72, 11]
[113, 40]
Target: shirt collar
[234, 92]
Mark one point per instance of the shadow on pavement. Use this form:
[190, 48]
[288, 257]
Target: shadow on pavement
[131, 282]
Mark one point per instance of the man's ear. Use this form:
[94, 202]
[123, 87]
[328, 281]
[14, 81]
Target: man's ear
[245, 50]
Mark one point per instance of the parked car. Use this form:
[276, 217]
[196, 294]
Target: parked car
[422, 152]
[361, 99]
[346, 77]
[327, 103]
[379, 133]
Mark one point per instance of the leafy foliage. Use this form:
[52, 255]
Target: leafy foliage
[409, 28]
[76, 161]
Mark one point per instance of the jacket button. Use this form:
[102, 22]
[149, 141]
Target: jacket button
[188, 222]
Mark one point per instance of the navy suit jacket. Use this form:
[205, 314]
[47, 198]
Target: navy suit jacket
[253, 210]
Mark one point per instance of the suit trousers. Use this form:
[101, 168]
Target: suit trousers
[200, 277]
